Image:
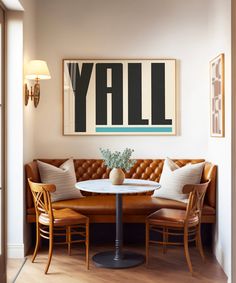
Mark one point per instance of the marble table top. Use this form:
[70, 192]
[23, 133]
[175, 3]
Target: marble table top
[129, 186]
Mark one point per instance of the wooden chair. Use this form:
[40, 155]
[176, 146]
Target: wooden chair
[57, 223]
[176, 222]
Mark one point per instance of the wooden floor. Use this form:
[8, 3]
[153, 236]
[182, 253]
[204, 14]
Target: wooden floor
[163, 268]
[13, 267]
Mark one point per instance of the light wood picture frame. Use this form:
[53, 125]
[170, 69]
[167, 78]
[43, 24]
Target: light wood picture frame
[119, 97]
[217, 97]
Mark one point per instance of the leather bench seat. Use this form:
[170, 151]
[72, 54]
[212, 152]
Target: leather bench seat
[105, 205]
[100, 208]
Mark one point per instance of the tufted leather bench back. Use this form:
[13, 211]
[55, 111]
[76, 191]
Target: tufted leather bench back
[148, 169]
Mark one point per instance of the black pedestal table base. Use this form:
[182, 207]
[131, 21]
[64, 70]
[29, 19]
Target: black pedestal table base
[118, 258]
[107, 260]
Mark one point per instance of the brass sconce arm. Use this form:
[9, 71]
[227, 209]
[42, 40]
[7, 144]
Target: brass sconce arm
[33, 94]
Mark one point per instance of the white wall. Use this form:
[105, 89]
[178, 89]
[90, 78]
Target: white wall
[20, 126]
[14, 109]
[233, 198]
[191, 31]
[29, 32]
[219, 149]
[29, 54]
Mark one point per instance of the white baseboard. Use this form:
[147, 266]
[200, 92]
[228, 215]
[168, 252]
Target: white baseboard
[15, 251]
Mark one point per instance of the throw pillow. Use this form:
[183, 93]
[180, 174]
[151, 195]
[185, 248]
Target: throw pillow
[173, 178]
[62, 177]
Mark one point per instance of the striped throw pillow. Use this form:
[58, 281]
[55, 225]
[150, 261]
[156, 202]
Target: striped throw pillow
[173, 178]
[62, 177]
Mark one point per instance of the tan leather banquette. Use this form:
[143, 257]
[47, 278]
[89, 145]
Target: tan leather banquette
[101, 208]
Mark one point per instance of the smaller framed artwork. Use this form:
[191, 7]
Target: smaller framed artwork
[217, 96]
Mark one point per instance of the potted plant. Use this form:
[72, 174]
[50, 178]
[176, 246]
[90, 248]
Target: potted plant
[117, 161]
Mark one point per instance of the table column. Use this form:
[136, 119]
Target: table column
[118, 258]
[119, 228]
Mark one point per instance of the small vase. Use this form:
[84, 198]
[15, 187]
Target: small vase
[117, 176]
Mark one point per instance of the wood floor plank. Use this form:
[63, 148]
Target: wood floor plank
[13, 267]
[163, 268]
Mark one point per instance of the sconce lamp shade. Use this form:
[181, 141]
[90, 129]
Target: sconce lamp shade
[37, 69]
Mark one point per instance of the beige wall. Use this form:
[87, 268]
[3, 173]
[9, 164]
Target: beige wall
[193, 32]
[122, 29]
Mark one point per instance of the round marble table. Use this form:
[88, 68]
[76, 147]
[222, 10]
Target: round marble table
[118, 258]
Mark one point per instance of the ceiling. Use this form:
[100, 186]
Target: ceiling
[13, 5]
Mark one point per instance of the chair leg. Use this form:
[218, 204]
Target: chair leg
[186, 250]
[68, 239]
[165, 239]
[199, 242]
[37, 244]
[87, 244]
[147, 241]
[50, 248]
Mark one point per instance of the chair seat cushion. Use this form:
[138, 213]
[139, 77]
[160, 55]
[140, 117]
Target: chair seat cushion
[63, 217]
[171, 217]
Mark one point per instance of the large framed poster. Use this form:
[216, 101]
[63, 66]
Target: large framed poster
[122, 97]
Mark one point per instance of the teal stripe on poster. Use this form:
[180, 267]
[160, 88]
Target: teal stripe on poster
[133, 129]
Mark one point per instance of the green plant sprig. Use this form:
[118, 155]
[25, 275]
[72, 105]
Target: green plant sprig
[118, 159]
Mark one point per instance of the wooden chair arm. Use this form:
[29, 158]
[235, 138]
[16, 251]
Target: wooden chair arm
[190, 187]
[48, 187]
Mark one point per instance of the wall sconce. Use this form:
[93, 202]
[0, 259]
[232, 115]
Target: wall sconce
[36, 70]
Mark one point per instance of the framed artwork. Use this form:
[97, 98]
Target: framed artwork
[217, 96]
[119, 97]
